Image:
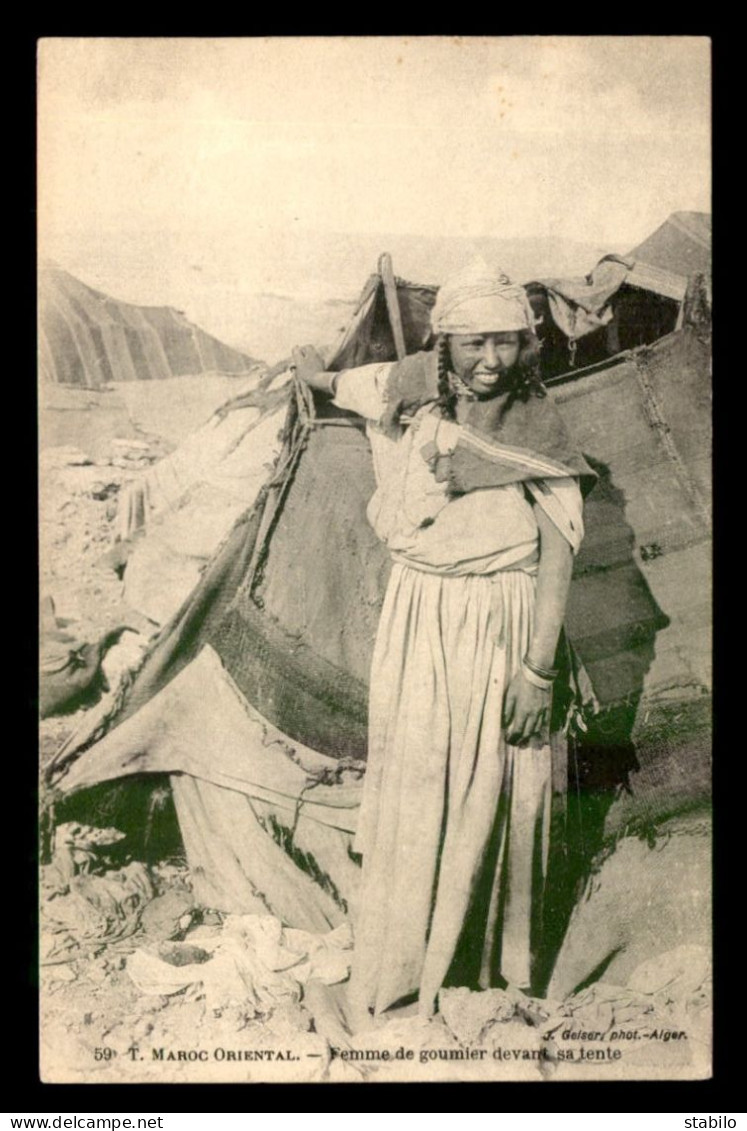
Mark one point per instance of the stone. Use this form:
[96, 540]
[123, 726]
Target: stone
[64, 456]
[468, 1013]
[161, 918]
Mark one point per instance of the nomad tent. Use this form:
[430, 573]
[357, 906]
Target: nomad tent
[253, 696]
[625, 301]
[171, 520]
[88, 339]
[682, 245]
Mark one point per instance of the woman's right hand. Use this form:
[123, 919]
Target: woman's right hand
[309, 366]
[526, 711]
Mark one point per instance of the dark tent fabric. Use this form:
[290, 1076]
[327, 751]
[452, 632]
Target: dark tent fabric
[288, 607]
[624, 302]
[88, 339]
[310, 520]
[619, 305]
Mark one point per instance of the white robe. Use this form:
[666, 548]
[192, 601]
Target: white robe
[454, 824]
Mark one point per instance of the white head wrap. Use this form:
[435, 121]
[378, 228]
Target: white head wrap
[481, 299]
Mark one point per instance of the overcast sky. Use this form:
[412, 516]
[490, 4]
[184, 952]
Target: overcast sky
[205, 149]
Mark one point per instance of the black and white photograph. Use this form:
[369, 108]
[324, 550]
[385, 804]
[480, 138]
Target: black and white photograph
[374, 386]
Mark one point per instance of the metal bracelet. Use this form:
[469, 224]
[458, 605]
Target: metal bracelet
[531, 677]
[544, 673]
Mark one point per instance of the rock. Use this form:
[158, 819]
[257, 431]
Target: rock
[64, 973]
[166, 873]
[127, 443]
[642, 899]
[132, 454]
[86, 836]
[161, 919]
[123, 657]
[327, 1006]
[469, 1013]
[56, 946]
[682, 971]
[182, 954]
[77, 849]
[428, 1037]
[289, 1018]
[97, 972]
[514, 1035]
[99, 907]
[71, 671]
[204, 933]
[142, 1028]
[130, 464]
[102, 490]
[64, 456]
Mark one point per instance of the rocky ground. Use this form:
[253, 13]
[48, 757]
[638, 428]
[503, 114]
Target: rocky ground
[78, 506]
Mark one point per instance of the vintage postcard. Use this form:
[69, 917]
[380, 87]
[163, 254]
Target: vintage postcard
[374, 387]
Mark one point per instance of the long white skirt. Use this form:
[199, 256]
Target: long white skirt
[454, 824]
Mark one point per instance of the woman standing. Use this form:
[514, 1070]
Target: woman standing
[478, 502]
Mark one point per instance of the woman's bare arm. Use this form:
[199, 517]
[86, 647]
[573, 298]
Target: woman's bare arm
[553, 583]
[527, 707]
[360, 390]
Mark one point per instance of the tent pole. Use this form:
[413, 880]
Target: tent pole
[392, 303]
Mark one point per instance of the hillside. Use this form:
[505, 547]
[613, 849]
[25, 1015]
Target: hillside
[265, 293]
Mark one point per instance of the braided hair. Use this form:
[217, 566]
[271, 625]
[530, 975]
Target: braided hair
[447, 395]
[525, 380]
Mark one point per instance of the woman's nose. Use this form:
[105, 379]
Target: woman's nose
[490, 355]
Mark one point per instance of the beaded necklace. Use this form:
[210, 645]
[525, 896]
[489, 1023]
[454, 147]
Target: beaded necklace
[461, 388]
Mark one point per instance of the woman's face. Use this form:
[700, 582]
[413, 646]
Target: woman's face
[481, 359]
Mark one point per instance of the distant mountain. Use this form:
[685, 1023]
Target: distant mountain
[277, 323]
[270, 290]
[333, 265]
[323, 276]
[430, 259]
